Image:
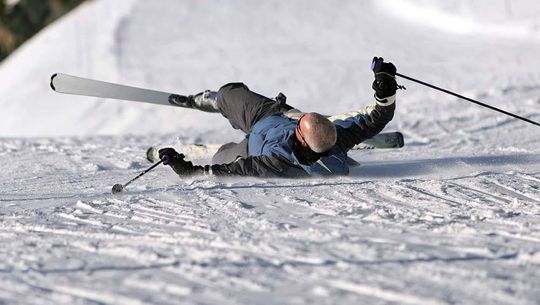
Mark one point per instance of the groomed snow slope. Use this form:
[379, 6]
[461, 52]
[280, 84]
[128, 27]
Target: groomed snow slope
[452, 218]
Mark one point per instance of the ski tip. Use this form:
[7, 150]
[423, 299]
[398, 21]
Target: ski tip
[352, 163]
[401, 141]
[52, 79]
[150, 154]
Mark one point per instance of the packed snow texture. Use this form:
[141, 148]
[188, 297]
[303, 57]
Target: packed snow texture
[451, 218]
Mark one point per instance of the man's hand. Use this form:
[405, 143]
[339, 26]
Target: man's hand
[385, 84]
[178, 164]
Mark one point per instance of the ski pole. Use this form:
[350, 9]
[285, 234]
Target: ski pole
[468, 99]
[117, 188]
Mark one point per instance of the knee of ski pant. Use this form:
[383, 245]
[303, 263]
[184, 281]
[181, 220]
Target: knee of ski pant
[231, 91]
[231, 86]
[228, 88]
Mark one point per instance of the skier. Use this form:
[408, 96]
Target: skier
[280, 140]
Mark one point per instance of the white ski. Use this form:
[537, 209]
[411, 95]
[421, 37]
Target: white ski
[382, 140]
[69, 84]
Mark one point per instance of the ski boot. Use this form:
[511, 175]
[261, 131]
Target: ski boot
[204, 101]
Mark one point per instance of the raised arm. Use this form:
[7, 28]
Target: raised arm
[356, 126]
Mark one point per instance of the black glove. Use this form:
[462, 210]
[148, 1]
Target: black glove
[385, 84]
[178, 164]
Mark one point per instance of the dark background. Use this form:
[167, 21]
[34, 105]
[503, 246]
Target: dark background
[20, 20]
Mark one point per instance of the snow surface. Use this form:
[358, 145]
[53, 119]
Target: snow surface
[452, 218]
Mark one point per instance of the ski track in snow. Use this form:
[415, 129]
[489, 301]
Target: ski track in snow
[451, 218]
[382, 240]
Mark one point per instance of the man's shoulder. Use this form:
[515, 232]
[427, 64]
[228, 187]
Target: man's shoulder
[274, 128]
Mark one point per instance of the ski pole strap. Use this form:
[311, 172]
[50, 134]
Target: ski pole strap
[469, 99]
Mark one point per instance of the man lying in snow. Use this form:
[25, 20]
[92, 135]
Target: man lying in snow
[280, 140]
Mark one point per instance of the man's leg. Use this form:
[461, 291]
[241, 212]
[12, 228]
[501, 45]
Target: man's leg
[241, 106]
[230, 152]
[244, 108]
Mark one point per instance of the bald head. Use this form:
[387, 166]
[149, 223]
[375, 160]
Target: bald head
[318, 132]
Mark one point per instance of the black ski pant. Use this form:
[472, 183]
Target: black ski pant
[243, 108]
